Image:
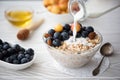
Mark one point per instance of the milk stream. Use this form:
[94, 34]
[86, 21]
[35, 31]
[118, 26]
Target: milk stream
[77, 16]
[74, 31]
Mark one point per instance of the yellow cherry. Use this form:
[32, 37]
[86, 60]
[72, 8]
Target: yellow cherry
[58, 28]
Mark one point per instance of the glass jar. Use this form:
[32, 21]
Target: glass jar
[76, 6]
[93, 8]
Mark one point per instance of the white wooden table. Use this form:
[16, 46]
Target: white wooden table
[108, 25]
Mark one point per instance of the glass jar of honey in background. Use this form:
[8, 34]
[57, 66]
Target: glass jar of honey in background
[19, 17]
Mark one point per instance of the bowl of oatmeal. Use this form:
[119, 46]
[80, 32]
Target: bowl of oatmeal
[69, 53]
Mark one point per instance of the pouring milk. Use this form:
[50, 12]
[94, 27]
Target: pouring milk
[78, 12]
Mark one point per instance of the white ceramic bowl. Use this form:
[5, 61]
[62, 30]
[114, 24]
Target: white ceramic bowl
[59, 18]
[17, 66]
[73, 60]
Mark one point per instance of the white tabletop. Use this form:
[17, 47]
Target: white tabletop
[108, 25]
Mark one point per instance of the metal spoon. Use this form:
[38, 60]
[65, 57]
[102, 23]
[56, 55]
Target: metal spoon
[106, 50]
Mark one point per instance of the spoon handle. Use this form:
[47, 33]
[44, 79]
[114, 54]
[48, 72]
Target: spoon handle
[97, 69]
[35, 25]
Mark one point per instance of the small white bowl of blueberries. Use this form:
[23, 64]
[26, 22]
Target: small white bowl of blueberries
[15, 57]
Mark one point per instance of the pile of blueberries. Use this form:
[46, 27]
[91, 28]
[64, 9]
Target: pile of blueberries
[15, 54]
[56, 38]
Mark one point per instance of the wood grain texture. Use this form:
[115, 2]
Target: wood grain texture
[108, 25]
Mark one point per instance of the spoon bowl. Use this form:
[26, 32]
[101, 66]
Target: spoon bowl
[106, 49]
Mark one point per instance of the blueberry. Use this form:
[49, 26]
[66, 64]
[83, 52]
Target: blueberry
[4, 58]
[20, 52]
[56, 42]
[57, 35]
[78, 35]
[22, 49]
[1, 56]
[31, 57]
[15, 62]
[4, 52]
[70, 32]
[65, 35]
[5, 43]
[89, 29]
[64, 31]
[27, 56]
[24, 60]
[30, 51]
[1, 50]
[84, 28]
[6, 46]
[10, 50]
[1, 47]
[20, 56]
[26, 52]
[17, 47]
[8, 60]
[66, 27]
[84, 34]
[12, 57]
[51, 32]
[1, 42]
